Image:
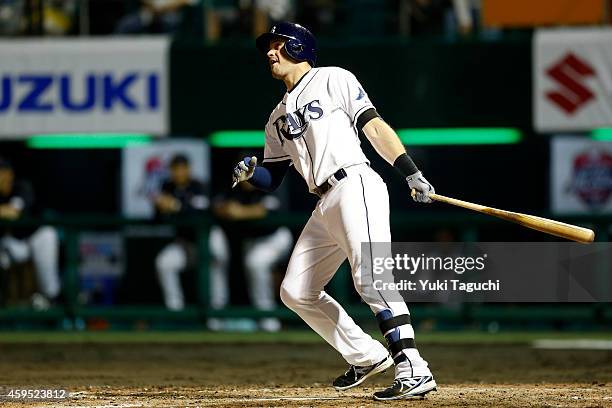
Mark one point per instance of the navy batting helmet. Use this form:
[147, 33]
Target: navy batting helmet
[301, 45]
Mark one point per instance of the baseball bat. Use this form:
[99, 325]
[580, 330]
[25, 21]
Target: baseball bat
[552, 227]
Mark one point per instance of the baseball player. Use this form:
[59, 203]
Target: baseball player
[180, 195]
[19, 245]
[262, 248]
[315, 128]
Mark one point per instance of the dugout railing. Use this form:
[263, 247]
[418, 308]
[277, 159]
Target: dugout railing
[341, 286]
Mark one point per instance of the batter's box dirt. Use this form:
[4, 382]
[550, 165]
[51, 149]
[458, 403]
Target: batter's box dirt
[296, 375]
[456, 395]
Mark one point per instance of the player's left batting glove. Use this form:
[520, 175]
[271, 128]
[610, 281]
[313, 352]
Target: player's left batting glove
[420, 187]
[244, 170]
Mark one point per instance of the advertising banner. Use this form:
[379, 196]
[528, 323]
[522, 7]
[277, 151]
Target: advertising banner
[84, 85]
[145, 167]
[572, 87]
[581, 176]
[102, 263]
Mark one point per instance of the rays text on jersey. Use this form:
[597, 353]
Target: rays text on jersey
[293, 125]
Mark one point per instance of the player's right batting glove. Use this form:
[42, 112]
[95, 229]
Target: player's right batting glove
[244, 170]
[420, 187]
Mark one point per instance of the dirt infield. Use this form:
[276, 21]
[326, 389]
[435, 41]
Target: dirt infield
[292, 375]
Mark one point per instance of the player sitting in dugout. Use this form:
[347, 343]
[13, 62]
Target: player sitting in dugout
[262, 247]
[181, 194]
[19, 245]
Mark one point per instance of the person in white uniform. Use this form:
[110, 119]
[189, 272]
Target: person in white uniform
[261, 248]
[315, 128]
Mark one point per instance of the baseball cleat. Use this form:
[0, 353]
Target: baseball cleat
[407, 388]
[355, 375]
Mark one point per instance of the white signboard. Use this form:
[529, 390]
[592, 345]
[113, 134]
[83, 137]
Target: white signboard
[572, 89]
[84, 85]
[145, 167]
[581, 176]
[101, 254]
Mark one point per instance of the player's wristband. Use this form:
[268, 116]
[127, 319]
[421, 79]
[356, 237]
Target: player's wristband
[405, 166]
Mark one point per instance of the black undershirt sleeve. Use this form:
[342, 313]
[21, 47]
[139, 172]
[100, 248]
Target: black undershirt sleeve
[269, 175]
[365, 117]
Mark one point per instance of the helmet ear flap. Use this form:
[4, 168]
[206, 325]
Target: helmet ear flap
[287, 52]
[294, 49]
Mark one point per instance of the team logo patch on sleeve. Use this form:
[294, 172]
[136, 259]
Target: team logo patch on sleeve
[361, 94]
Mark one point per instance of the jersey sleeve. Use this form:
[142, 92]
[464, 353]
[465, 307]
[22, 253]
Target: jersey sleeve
[273, 150]
[349, 94]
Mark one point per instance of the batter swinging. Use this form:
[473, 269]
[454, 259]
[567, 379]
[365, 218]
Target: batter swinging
[315, 128]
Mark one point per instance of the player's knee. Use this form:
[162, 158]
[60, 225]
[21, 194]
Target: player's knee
[260, 259]
[44, 236]
[163, 262]
[295, 298]
[169, 260]
[15, 251]
[289, 296]
[283, 239]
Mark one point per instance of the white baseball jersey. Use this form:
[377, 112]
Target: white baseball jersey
[314, 125]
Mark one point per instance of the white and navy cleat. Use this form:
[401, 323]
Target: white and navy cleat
[355, 375]
[403, 388]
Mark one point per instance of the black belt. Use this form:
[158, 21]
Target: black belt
[324, 188]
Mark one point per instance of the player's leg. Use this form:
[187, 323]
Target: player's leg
[169, 263]
[44, 243]
[13, 252]
[359, 212]
[218, 274]
[314, 261]
[219, 263]
[17, 250]
[259, 260]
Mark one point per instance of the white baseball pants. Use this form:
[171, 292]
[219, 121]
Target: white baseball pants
[260, 256]
[355, 210]
[43, 248]
[262, 253]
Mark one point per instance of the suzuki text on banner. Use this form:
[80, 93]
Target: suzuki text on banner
[84, 85]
